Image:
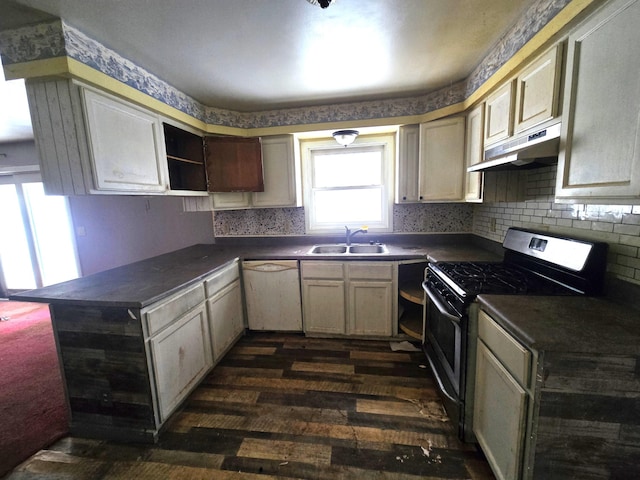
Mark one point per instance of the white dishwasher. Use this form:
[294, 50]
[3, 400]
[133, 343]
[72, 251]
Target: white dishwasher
[272, 295]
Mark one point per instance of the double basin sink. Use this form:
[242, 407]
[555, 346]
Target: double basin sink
[355, 249]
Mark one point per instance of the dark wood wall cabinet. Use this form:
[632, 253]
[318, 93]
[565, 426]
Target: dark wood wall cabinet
[213, 164]
[234, 164]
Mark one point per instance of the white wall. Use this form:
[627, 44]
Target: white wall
[116, 230]
[18, 154]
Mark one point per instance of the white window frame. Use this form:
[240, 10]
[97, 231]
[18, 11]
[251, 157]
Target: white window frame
[388, 143]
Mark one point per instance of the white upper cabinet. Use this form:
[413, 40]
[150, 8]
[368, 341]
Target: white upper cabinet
[442, 165]
[407, 166]
[431, 163]
[499, 114]
[474, 149]
[281, 179]
[91, 142]
[280, 176]
[523, 102]
[538, 90]
[124, 144]
[600, 161]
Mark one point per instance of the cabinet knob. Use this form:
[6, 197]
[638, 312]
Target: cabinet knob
[420, 197]
[404, 198]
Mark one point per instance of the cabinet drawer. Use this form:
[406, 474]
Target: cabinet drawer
[321, 270]
[371, 271]
[514, 356]
[221, 279]
[159, 317]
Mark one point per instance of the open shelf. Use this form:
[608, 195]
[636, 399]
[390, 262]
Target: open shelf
[185, 159]
[411, 322]
[411, 298]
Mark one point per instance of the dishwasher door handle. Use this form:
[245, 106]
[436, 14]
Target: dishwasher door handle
[270, 267]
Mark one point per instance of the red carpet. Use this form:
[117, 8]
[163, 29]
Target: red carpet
[33, 410]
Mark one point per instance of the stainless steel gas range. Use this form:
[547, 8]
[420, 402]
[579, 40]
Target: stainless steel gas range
[534, 263]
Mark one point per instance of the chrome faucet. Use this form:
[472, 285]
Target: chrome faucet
[350, 234]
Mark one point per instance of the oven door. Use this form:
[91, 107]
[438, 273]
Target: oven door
[444, 345]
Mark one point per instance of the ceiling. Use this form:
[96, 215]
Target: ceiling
[254, 55]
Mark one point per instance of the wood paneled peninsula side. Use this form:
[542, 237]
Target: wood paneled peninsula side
[134, 341]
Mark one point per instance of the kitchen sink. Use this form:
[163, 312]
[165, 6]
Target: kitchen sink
[368, 249]
[339, 249]
[328, 249]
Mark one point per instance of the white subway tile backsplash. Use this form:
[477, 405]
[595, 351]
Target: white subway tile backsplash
[618, 225]
[631, 219]
[582, 224]
[630, 240]
[619, 249]
[627, 229]
[602, 227]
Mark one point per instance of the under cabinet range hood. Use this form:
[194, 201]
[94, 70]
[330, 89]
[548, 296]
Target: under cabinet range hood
[534, 148]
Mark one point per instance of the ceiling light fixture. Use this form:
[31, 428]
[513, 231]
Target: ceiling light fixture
[345, 137]
[322, 3]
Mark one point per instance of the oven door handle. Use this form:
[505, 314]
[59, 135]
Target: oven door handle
[441, 308]
[443, 389]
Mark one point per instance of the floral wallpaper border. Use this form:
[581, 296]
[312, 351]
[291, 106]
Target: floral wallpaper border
[57, 38]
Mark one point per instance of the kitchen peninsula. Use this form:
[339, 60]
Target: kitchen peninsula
[135, 340]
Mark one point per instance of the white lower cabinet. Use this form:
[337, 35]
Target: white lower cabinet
[224, 308]
[187, 332]
[226, 321]
[323, 297]
[354, 298]
[502, 398]
[181, 356]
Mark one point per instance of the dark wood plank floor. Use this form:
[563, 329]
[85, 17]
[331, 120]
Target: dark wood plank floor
[285, 406]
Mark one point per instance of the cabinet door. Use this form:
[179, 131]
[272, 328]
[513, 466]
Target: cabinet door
[600, 161]
[537, 90]
[124, 144]
[474, 153]
[234, 164]
[408, 161]
[226, 320]
[181, 356]
[499, 114]
[370, 308]
[324, 306]
[499, 415]
[442, 160]
[231, 200]
[280, 179]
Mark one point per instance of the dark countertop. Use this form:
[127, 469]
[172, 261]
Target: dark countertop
[143, 283]
[593, 325]
[461, 253]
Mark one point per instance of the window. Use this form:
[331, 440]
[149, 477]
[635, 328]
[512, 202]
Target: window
[37, 247]
[349, 186]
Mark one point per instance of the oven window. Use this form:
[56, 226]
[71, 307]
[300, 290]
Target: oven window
[442, 333]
